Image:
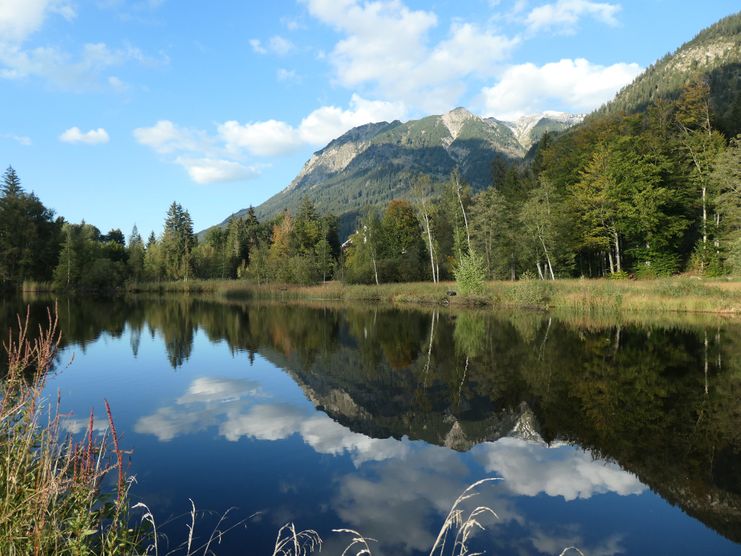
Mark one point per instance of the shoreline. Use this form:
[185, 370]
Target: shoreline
[599, 296]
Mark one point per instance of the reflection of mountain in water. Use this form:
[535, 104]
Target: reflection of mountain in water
[369, 416]
[661, 401]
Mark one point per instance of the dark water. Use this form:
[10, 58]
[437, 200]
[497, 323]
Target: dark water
[615, 438]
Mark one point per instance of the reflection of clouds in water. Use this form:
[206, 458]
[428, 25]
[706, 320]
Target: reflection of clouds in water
[555, 543]
[404, 502]
[226, 402]
[210, 390]
[560, 470]
[76, 426]
[402, 497]
[168, 423]
[325, 436]
[203, 405]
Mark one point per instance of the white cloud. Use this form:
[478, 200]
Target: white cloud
[283, 74]
[257, 46]
[117, 84]
[280, 45]
[267, 138]
[166, 137]
[530, 468]
[21, 18]
[65, 71]
[20, 139]
[564, 15]
[67, 11]
[273, 137]
[215, 170]
[328, 122]
[574, 85]
[209, 158]
[277, 45]
[385, 47]
[92, 137]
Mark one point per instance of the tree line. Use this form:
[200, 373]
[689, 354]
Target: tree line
[647, 194]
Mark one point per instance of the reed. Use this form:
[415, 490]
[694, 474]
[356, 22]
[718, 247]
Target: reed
[681, 294]
[52, 496]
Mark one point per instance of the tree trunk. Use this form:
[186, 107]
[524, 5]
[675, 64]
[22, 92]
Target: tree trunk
[540, 272]
[704, 215]
[426, 217]
[463, 210]
[617, 251]
[547, 256]
[612, 265]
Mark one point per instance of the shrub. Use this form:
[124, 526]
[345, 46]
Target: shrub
[532, 293]
[470, 274]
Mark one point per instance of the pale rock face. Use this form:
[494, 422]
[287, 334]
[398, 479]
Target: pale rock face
[523, 127]
[703, 56]
[455, 119]
[336, 156]
[330, 161]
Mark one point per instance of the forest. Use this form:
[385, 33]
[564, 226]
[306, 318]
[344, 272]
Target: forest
[622, 195]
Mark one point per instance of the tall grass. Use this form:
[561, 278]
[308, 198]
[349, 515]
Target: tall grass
[682, 294]
[52, 499]
[456, 532]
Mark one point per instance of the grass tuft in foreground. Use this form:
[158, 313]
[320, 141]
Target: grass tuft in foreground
[51, 495]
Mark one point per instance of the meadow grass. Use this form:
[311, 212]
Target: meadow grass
[682, 294]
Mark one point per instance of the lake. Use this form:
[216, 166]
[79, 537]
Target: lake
[613, 436]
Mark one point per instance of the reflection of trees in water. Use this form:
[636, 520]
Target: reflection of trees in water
[659, 400]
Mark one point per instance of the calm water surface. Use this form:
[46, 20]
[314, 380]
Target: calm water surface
[613, 437]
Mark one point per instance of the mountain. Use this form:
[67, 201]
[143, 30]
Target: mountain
[377, 162]
[374, 163]
[714, 55]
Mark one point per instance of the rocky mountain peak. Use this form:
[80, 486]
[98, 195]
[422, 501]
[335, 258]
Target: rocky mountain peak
[455, 119]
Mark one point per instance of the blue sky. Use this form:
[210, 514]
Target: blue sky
[112, 109]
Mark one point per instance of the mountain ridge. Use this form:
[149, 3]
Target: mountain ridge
[374, 162]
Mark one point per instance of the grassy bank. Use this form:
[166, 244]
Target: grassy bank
[677, 294]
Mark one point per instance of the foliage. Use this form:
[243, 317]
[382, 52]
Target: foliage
[29, 234]
[470, 274]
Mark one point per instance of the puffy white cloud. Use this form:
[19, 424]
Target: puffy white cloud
[203, 158]
[216, 170]
[92, 137]
[20, 18]
[564, 15]
[167, 137]
[385, 46]
[267, 138]
[273, 137]
[530, 468]
[326, 123]
[574, 85]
